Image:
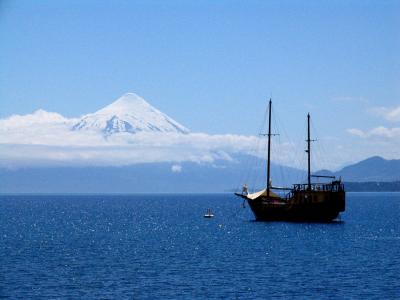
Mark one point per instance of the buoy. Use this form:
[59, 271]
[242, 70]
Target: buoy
[209, 214]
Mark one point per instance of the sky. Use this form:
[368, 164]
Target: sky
[213, 65]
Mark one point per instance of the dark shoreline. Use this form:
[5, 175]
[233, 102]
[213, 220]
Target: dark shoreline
[373, 186]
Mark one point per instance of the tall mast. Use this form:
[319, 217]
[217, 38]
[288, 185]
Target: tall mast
[309, 151]
[269, 148]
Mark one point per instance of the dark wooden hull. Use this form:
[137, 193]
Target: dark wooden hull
[303, 206]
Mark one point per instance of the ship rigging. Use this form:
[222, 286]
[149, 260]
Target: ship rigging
[319, 202]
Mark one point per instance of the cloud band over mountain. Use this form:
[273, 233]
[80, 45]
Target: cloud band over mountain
[128, 131]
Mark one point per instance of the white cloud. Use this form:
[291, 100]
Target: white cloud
[385, 132]
[176, 168]
[380, 140]
[390, 114]
[380, 131]
[56, 144]
[357, 132]
[141, 149]
[44, 138]
[26, 143]
[39, 117]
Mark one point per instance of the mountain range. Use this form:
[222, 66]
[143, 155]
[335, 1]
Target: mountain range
[373, 169]
[189, 177]
[130, 146]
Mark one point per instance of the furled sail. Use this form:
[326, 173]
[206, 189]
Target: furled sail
[262, 193]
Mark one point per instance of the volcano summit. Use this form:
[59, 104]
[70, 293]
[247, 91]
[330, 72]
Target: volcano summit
[129, 113]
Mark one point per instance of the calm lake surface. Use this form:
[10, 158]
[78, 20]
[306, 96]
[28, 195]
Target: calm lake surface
[161, 247]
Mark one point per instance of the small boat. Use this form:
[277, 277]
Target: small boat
[320, 202]
[209, 214]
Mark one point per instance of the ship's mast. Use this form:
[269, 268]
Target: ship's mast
[309, 152]
[269, 148]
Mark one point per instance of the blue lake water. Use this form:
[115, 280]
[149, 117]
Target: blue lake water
[161, 247]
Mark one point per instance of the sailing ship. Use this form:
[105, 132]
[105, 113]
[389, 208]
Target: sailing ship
[309, 202]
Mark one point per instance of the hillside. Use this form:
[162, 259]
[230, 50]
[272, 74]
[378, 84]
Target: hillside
[373, 169]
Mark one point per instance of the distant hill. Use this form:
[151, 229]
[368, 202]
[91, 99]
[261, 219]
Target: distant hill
[133, 133]
[372, 174]
[373, 186]
[220, 176]
[373, 169]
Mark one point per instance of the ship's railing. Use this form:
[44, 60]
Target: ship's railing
[288, 196]
[334, 186]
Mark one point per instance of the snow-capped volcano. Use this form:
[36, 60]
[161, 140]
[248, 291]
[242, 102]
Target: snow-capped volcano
[126, 132]
[129, 113]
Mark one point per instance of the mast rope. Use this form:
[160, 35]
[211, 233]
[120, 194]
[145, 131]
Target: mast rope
[320, 151]
[253, 162]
